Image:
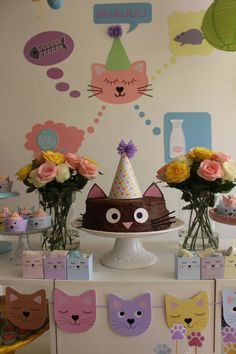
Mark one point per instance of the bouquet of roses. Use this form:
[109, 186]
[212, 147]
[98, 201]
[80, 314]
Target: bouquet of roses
[200, 174]
[56, 177]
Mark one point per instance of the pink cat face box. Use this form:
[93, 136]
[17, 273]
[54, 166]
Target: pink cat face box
[212, 267]
[32, 265]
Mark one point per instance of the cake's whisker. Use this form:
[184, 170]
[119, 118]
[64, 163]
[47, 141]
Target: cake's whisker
[163, 224]
[158, 221]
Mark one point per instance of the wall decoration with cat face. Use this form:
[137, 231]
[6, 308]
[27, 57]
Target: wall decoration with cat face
[191, 313]
[27, 311]
[129, 317]
[75, 314]
[229, 307]
[119, 81]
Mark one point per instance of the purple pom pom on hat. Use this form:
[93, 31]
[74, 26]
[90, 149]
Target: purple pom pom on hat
[128, 149]
[115, 31]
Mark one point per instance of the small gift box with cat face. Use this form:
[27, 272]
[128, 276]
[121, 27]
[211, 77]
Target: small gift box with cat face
[212, 267]
[32, 264]
[187, 265]
[79, 265]
[55, 265]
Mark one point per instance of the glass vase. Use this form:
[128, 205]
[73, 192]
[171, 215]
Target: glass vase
[199, 231]
[62, 235]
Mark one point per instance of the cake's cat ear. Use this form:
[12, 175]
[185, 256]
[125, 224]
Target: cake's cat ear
[96, 192]
[153, 191]
[98, 69]
[139, 66]
[11, 294]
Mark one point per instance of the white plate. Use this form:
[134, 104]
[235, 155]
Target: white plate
[178, 224]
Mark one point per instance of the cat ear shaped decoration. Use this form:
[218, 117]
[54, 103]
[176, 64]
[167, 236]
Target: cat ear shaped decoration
[192, 313]
[27, 311]
[229, 307]
[129, 317]
[75, 314]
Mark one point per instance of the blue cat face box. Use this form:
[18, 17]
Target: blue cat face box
[187, 268]
[79, 265]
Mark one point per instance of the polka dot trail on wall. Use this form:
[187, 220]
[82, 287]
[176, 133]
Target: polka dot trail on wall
[159, 71]
[147, 121]
[90, 130]
[57, 73]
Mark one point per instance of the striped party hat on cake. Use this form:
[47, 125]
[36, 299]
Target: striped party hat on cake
[125, 184]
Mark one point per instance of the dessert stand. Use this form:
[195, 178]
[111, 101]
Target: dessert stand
[128, 251]
[23, 243]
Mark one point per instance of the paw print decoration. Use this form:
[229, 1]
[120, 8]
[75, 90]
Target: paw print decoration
[162, 349]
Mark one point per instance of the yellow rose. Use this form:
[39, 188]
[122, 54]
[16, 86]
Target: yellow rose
[200, 154]
[177, 172]
[54, 157]
[24, 172]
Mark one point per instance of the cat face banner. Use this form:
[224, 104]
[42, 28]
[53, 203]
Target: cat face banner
[75, 314]
[129, 317]
[27, 311]
[229, 307]
[191, 313]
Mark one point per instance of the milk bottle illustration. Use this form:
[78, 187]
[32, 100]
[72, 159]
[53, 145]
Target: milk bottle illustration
[177, 138]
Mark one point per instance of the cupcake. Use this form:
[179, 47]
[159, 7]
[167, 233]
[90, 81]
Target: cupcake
[3, 215]
[25, 212]
[8, 338]
[227, 206]
[5, 184]
[39, 220]
[15, 223]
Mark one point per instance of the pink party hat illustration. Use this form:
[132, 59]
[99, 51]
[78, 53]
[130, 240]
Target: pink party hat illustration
[125, 184]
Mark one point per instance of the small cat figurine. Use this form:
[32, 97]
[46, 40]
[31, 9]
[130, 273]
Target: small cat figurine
[119, 86]
[227, 206]
[148, 213]
[75, 314]
[191, 313]
[27, 311]
[129, 317]
[229, 307]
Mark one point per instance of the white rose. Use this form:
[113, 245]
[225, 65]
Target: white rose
[229, 169]
[63, 173]
[34, 180]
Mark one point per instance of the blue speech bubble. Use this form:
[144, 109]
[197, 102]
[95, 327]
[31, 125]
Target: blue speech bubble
[132, 13]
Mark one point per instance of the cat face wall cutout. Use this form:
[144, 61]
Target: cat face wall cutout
[27, 311]
[119, 86]
[191, 313]
[129, 317]
[229, 307]
[145, 214]
[75, 314]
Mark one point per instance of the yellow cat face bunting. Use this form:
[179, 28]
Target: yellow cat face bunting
[191, 313]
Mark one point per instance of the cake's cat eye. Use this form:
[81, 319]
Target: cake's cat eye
[113, 215]
[141, 215]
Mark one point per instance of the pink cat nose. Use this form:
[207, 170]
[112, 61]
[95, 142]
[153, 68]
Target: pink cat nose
[127, 224]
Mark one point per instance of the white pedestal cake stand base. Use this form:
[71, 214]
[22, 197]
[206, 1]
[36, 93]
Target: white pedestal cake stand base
[128, 251]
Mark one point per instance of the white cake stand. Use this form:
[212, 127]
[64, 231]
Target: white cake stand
[128, 251]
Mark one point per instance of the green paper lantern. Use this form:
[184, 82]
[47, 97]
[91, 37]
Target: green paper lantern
[219, 25]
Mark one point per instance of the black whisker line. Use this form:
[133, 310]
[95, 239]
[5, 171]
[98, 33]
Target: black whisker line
[98, 93]
[164, 215]
[159, 221]
[94, 90]
[142, 93]
[95, 87]
[144, 89]
[144, 86]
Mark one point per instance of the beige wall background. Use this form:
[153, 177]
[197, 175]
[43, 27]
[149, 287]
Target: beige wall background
[197, 83]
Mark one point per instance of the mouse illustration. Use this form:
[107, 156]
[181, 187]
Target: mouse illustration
[192, 36]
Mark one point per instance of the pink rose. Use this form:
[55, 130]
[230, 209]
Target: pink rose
[221, 157]
[87, 168]
[46, 172]
[161, 173]
[73, 160]
[210, 170]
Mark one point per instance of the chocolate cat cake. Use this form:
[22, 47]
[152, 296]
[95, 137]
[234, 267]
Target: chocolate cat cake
[126, 209]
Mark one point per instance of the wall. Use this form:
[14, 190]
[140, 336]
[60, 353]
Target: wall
[194, 82]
